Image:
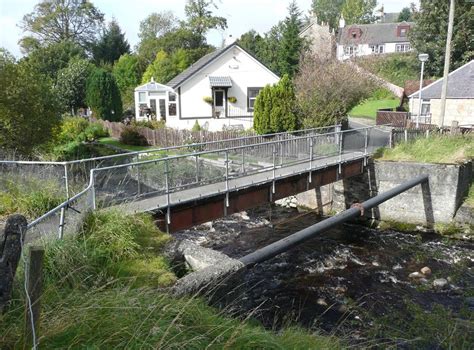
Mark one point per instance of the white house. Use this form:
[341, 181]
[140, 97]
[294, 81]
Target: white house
[218, 91]
[459, 99]
[369, 39]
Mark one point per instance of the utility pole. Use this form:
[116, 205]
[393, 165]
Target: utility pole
[447, 60]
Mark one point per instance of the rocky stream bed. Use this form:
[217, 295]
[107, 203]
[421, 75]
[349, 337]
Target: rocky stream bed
[354, 282]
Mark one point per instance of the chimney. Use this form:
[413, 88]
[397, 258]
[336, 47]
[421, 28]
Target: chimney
[342, 22]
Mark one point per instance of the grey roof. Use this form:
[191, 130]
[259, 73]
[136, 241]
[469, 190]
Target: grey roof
[204, 61]
[460, 84]
[220, 81]
[152, 86]
[377, 33]
[196, 66]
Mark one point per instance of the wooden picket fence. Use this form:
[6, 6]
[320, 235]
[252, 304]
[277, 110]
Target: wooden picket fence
[171, 137]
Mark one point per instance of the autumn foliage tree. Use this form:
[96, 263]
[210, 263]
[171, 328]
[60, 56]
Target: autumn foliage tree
[327, 90]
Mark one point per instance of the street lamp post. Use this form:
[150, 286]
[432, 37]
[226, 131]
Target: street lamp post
[423, 57]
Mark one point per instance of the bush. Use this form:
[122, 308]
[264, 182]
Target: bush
[131, 136]
[78, 129]
[328, 89]
[78, 150]
[151, 124]
[275, 108]
[196, 127]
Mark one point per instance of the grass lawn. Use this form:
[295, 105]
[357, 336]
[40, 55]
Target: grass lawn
[116, 143]
[436, 149]
[368, 108]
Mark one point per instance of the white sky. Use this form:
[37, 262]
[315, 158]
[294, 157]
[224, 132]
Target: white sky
[242, 15]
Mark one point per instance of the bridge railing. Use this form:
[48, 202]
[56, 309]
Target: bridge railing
[70, 177]
[223, 170]
[230, 168]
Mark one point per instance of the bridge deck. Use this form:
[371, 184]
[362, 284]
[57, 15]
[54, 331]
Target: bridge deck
[152, 203]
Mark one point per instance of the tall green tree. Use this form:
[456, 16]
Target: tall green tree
[166, 66]
[251, 41]
[328, 11]
[200, 18]
[28, 106]
[405, 15]
[111, 45]
[429, 34]
[152, 29]
[103, 95]
[71, 85]
[49, 59]
[127, 75]
[359, 11]
[291, 42]
[269, 51]
[54, 21]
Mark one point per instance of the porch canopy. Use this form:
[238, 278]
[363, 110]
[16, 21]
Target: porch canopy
[220, 82]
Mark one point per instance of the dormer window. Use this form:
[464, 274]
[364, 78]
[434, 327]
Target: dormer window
[355, 33]
[402, 30]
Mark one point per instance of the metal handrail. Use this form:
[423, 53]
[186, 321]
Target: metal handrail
[194, 154]
[91, 184]
[155, 150]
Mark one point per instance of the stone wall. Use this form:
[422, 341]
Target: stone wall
[436, 202]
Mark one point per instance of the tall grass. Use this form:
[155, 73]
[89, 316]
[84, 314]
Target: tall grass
[28, 196]
[104, 290]
[435, 149]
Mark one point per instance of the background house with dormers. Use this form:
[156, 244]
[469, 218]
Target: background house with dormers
[218, 91]
[369, 39]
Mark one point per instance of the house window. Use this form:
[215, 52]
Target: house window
[172, 104]
[402, 47]
[252, 94]
[142, 97]
[425, 107]
[377, 48]
[350, 50]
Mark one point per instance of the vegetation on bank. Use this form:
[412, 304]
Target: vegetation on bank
[435, 149]
[104, 289]
[368, 108]
[28, 196]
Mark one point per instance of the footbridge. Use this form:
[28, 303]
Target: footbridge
[184, 190]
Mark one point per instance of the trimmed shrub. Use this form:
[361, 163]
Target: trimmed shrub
[151, 124]
[132, 137]
[196, 127]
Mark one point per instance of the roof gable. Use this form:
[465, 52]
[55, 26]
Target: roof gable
[460, 84]
[205, 61]
[377, 33]
[152, 86]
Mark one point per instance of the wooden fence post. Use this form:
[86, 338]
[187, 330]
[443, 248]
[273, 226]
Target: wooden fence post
[10, 252]
[34, 286]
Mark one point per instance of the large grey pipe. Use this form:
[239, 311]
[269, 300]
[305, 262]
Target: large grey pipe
[297, 238]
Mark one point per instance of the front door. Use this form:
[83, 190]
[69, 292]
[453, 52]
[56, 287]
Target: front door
[219, 100]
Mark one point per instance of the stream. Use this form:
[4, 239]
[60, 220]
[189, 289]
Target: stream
[344, 281]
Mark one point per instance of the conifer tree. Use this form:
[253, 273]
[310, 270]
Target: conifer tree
[103, 95]
[291, 43]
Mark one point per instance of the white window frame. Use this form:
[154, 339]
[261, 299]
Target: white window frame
[170, 103]
[140, 95]
[402, 47]
[350, 50]
[250, 105]
[379, 48]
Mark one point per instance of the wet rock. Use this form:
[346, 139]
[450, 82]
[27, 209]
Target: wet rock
[426, 271]
[321, 302]
[397, 267]
[423, 281]
[416, 275]
[440, 283]
[375, 263]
